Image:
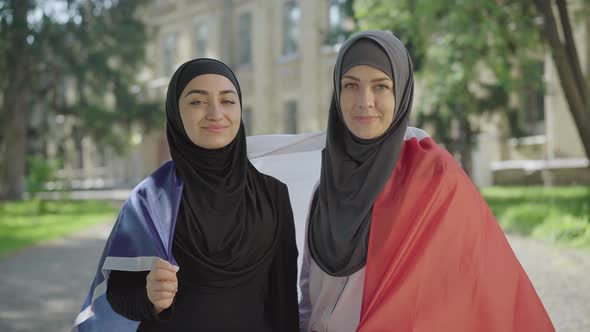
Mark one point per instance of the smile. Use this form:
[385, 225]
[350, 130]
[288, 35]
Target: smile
[215, 129]
[366, 119]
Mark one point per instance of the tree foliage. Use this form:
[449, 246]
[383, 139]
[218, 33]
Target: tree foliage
[472, 55]
[79, 59]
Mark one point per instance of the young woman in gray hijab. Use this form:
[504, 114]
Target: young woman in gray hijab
[398, 238]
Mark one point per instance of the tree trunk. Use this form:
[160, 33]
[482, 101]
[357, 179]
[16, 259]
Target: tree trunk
[15, 103]
[15, 144]
[571, 51]
[574, 86]
[465, 140]
[467, 159]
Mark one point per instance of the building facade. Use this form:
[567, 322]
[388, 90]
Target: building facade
[283, 53]
[552, 154]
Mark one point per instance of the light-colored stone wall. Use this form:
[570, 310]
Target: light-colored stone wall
[268, 82]
[563, 140]
[271, 80]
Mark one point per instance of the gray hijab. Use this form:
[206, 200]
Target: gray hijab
[354, 171]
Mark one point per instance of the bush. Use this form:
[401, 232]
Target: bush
[559, 214]
[523, 219]
[564, 228]
[41, 171]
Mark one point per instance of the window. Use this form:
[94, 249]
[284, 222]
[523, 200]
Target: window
[78, 161]
[247, 119]
[61, 153]
[338, 19]
[169, 54]
[533, 99]
[101, 156]
[245, 41]
[202, 40]
[291, 15]
[163, 6]
[291, 118]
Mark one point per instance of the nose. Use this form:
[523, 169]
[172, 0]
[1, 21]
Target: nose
[214, 112]
[366, 100]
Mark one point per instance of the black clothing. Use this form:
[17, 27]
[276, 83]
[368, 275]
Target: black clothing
[234, 237]
[267, 301]
[228, 223]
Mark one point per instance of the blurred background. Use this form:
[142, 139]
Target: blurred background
[502, 84]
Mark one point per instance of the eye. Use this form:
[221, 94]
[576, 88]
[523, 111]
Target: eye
[197, 102]
[228, 102]
[382, 87]
[349, 85]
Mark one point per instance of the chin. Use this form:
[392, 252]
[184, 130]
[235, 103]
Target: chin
[365, 134]
[217, 144]
[212, 143]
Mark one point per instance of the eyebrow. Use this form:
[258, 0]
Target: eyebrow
[203, 92]
[373, 80]
[228, 91]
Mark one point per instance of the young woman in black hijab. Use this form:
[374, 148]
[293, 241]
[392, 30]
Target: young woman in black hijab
[234, 239]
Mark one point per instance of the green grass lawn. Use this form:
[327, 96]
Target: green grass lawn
[560, 214]
[23, 223]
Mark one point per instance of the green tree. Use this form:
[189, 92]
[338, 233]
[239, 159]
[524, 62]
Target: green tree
[40, 172]
[565, 56]
[454, 42]
[16, 91]
[98, 45]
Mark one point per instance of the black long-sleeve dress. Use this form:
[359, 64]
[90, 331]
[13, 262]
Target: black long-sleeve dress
[267, 301]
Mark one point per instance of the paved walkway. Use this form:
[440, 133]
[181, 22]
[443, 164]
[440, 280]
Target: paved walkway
[561, 276]
[42, 288]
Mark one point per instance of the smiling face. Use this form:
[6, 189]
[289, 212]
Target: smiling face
[367, 101]
[210, 111]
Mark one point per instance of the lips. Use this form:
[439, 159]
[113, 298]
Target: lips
[215, 129]
[365, 119]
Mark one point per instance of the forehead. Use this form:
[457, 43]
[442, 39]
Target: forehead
[365, 72]
[210, 82]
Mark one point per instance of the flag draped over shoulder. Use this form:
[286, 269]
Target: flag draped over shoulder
[144, 228]
[142, 233]
[437, 259]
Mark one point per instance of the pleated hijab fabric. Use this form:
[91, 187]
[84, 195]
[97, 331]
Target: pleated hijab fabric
[224, 230]
[354, 171]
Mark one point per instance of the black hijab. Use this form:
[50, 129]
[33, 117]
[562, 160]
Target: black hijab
[355, 171]
[224, 229]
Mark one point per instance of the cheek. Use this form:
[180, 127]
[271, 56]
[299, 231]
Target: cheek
[194, 117]
[234, 116]
[388, 109]
[392, 109]
[190, 120]
[237, 116]
[346, 105]
[186, 120]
